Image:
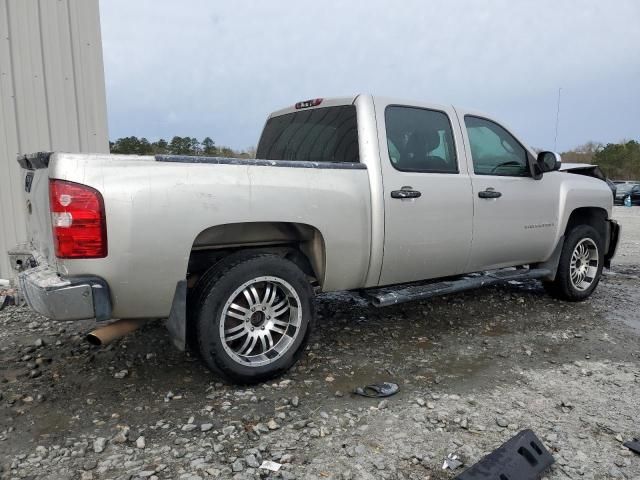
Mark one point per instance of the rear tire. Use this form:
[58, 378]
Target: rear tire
[580, 265]
[254, 314]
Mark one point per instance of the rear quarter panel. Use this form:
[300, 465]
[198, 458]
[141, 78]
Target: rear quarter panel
[155, 210]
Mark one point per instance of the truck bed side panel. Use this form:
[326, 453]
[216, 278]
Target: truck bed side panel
[155, 210]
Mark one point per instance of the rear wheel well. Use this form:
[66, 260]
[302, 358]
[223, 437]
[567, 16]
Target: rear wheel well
[300, 243]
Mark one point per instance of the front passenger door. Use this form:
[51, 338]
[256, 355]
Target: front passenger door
[515, 216]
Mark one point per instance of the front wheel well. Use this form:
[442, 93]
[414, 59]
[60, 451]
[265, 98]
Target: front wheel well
[592, 216]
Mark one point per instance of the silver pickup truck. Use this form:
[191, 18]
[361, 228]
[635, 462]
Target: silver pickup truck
[398, 200]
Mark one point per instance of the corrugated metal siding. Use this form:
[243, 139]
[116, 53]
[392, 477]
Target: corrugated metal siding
[52, 94]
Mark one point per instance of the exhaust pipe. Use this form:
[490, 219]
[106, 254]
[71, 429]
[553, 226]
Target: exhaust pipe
[113, 331]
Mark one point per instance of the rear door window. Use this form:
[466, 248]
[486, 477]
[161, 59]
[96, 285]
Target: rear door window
[420, 140]
[327, 134]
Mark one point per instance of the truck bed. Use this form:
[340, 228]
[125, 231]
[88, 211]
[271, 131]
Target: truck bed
[158, 209]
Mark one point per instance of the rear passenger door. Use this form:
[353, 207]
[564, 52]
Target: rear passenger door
[427, 192]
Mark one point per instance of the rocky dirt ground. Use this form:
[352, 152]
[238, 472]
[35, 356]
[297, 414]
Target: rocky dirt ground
[474, 369]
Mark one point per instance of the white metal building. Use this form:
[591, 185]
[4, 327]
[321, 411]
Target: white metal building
[52, 94]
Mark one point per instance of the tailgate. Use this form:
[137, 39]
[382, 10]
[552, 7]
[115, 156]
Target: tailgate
[35, 174]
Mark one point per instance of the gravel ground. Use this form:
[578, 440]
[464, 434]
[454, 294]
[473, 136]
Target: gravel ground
[474, 369]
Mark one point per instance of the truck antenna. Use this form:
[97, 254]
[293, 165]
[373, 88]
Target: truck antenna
[555, 140]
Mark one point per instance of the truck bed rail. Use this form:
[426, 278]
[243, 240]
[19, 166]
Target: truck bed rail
[260, 162]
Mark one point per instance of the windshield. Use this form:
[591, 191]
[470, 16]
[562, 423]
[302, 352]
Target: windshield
[320, 135]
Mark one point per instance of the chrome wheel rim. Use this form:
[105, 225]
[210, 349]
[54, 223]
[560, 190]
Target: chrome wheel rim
[584, 264]
[260, 321]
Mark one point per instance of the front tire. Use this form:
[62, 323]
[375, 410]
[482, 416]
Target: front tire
[580, 265]
[254, 316]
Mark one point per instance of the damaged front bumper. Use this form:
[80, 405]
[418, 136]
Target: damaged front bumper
[61, 298]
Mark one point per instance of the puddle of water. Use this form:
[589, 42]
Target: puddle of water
[361, 376]
[12, 374]
[53, 423]
[633, 322]
[495, 330]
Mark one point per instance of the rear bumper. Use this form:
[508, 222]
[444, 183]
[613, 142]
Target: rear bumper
[60, 298]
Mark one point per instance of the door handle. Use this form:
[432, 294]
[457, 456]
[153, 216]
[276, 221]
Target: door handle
[489, 193]
[406, 192]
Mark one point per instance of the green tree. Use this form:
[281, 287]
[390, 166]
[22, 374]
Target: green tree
[194, 146]
[209, 147]
[160, 147]
[620, 161]
[583, 153]
[125, 145]
[131, 145]
[227, 152]
[180, 146]
[144, 147]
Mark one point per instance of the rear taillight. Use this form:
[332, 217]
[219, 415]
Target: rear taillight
[78, 220]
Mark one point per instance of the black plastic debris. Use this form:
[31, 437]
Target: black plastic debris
[633, 445]
[522, 457]
[378, 390]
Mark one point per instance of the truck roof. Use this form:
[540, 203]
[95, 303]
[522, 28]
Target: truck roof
[311, 104]
[337, 101]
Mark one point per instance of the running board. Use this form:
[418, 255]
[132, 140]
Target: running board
[385, 296]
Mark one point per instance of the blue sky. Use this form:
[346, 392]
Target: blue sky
[199, 67]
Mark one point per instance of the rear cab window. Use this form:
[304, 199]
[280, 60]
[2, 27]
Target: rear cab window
[328, 134]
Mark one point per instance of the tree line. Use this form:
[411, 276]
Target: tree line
[177, 146]
[619, 161]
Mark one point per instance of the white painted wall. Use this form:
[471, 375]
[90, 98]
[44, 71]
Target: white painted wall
[52, 94]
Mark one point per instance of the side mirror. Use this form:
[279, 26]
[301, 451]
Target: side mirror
[546, 162]
[549, 161]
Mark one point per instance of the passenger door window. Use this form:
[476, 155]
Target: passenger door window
[495, 151]
[420, 140]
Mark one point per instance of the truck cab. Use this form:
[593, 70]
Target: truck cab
[452, 191]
